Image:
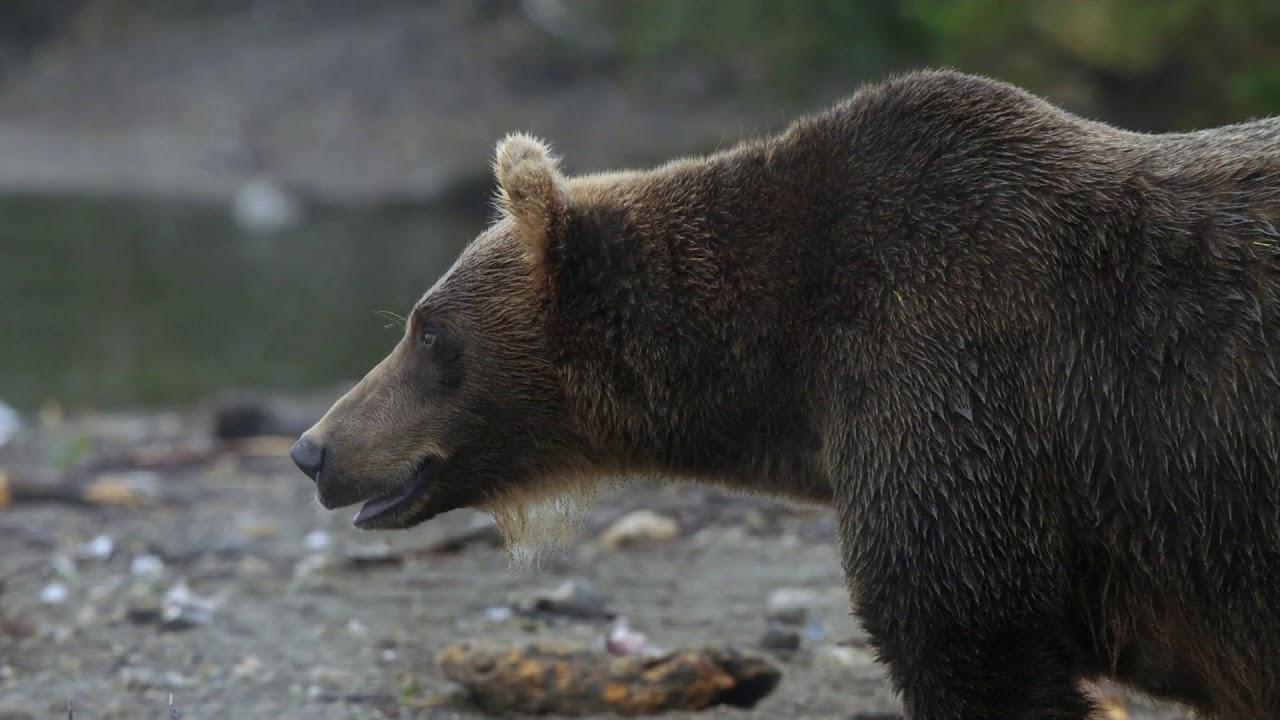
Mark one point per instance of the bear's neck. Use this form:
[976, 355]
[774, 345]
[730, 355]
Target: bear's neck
[666, 314]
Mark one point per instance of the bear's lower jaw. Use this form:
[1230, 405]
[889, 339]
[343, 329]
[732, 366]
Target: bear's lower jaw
[413, 508]
[372, 510]
[409, 504]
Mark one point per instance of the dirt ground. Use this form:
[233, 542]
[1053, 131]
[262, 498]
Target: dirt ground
[234, 592]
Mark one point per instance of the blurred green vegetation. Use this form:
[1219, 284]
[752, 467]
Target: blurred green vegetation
[1127, 61]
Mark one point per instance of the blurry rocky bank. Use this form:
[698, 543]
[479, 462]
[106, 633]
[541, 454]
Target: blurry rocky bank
[267, 104]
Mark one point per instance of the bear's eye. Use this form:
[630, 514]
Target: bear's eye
[427, 338]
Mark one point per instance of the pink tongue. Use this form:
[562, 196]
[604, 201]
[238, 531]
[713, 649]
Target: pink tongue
[374, 508]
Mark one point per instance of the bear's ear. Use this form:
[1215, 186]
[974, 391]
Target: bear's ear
[531, 189]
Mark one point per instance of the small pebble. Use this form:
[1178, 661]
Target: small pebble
[622, 640]
[575, 598]
[143, 612]
[842, 660]
[256, 529]
[54, 593]
[310, 565]
[371, 555]
[184, 609]
[780, 638]
[88, 616]
[498, 614]
[249, 667]
[146, 566]
[813, 632]
[175, 618]
[791, 606]
[316, 541]
[99, 548]
[635, 528]
[64, 566]
[137, 678]
[9, 424]
[252, 566]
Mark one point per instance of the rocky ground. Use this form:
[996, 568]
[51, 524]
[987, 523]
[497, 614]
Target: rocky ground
[167, 562]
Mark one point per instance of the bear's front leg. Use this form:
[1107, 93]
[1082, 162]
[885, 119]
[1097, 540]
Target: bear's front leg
[946, 671]
[963, 588]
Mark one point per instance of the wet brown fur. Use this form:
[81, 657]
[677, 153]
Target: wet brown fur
[1030, 360]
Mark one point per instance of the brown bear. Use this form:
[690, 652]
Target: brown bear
[1029, 359]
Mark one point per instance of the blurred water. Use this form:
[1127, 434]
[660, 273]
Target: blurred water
[113, 303]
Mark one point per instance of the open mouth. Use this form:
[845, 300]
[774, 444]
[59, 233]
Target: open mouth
[388, 506]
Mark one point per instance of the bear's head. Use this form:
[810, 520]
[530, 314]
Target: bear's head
[469, 409]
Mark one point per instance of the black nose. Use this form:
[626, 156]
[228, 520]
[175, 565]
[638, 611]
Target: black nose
[308, 456]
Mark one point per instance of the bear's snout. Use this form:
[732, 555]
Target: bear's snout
[308, 455]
